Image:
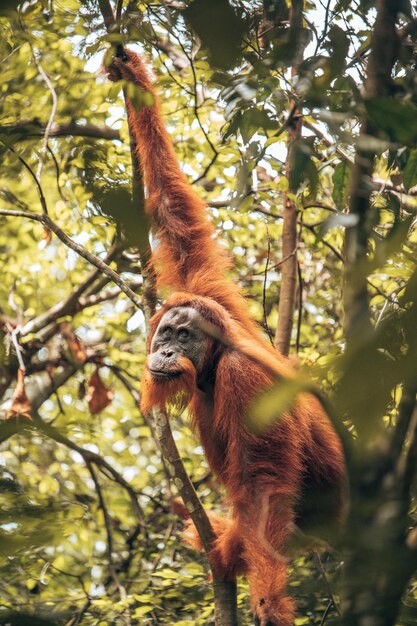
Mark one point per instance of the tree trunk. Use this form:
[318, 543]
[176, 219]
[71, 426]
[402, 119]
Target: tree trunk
[288, 292]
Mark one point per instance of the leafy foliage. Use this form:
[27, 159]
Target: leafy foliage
[86, 521]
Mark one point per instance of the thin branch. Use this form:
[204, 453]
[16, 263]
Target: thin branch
[329, 589]
[51, 115]
[24, 129]
[83, 252]
[327, 142]
[109, 547]
[179, 61]
[150, 423]
[377, 182]
[326, 612]
[105, 467]
[104, 296]
[10, 427]
[75, 620]
[206, 169]
[14, 332]
[33, 175]
[224, 591]
[196, 107]
[119, 8]
[57, 173]
[300, 306]
[268, 256]
[73, 303]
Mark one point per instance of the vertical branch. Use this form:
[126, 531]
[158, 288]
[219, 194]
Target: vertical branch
[225, 598]
[149, 280]
[379, 563]
[287, 299]
[109, 535]
[384, 48]
[138, 197]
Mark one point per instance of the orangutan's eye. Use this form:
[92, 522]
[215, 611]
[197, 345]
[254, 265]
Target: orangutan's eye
[167, 332]
[183, 333]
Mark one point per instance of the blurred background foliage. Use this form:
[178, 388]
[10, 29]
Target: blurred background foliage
[86, 531]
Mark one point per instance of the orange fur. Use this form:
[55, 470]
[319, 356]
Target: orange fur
[178, 391]
[269, 475]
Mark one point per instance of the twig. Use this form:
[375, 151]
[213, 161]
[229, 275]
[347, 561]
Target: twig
[109, 535]
[77, 617]
[326, 612]
[329, 589]
[150, 423]
[57, 173]
[32, 173]
[106, 468]
[119, 10]
[53, 110]
[18, 348]
[179, 61]
[196, 107]
[160, 552]
[300, 306]
[83, 252]
[73, 303]
[268, 256]
[206, 169]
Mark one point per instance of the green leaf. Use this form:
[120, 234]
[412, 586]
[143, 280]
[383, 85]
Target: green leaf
[274, 404]
[397, 118]
[300, 156]
[339, 44]
[220, 28]
[410, 170]
[140, 611]
[341, 182]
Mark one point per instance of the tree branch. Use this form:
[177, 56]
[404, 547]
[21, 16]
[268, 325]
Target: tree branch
[378, 83]
[138, 196]
[37, 129]
[224, 591]
[71, 304]
[83, 252]
[109, 534]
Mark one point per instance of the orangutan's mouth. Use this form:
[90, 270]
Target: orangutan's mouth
[165, 375]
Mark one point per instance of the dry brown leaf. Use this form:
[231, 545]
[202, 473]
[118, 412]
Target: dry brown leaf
[20, 402]
[98, 395]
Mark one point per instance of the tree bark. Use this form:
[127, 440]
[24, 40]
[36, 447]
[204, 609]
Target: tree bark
[225, 591]
[378, 561]
[384, 47]
[288, 292]
[37, 129]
